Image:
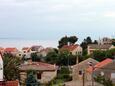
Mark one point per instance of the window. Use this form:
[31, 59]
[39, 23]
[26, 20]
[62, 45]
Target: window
[102, 73]
[80, 72]
[112, 75]
[24, 51]
[39, 75]
[19, 54]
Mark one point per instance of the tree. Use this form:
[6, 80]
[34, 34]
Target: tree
[113, 42]
[63, 58]
[52, 58]
[64, 74]
[66, 40]
[84, 45]
[88, 40]
[63, 41]
[85, 42]
[72, 39]
[102, 80]
[95, 42]
[35, 57]
[31, 80]
[102, 55]
[11, 71]
[99, 55]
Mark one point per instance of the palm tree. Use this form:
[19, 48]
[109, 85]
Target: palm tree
[10, 64]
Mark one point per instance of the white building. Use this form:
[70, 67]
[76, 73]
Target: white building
[105, 40]
[1, 68]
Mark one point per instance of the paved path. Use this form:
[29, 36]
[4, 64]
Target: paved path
[80, 83]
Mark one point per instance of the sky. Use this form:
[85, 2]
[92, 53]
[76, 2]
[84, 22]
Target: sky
[53, 19]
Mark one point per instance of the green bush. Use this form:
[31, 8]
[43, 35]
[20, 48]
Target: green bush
[105, 81]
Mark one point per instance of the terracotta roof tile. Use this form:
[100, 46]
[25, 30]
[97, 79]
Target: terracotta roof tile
[37, 66]
[69, 47]
[11, 50]
[12, 83]
[9, 83]
[100, 64]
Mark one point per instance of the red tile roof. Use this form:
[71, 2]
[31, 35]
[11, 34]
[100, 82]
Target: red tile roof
[12, 83]
[11, 50]
[2, 83]
[37, 66]
[69, 47]
[9, 83]
[100, 65]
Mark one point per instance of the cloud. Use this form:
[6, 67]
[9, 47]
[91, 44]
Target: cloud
[45, 15]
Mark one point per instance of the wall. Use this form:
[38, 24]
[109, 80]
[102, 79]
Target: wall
[48, 76]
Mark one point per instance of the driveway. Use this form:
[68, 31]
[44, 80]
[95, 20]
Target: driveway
[80, 83]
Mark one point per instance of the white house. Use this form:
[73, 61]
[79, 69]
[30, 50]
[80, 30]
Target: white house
[1, 68]
[74, 49]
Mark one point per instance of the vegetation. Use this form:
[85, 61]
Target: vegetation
[102, 55]
[85, 43]
[63, 76]
[11, 64]
[52, 58]
[113, 42]
[67, 40]
[62, 59]
[31, 80]
[104, 81]
[35, 57]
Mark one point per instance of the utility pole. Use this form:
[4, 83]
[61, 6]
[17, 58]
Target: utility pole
[93, 68]
[92, 75]
[77, 59]
[83, 77]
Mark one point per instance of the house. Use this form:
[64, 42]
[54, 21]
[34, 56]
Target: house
[105, 68]
[26, 50]
[27, 55]
[19, 54]
[93, 47]
[45, 72]
[1, 50]
[45, 51]
[78, 69]
[105, 40]
[12, 51]
[73, 49]
[36, 48]
[1, 69]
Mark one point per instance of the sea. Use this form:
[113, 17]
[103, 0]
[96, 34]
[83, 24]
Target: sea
[20, 43]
